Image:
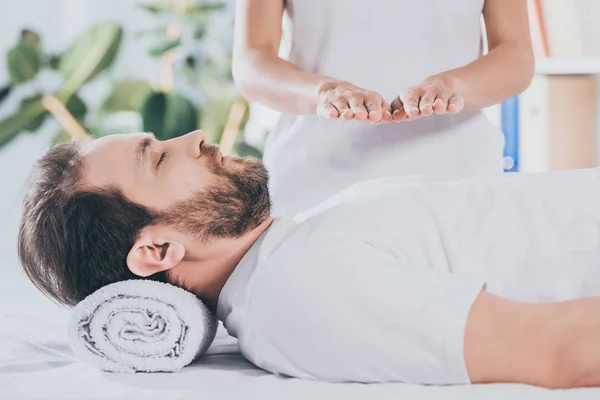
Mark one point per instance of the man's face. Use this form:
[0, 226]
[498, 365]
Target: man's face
[185, 178]
[153, 173]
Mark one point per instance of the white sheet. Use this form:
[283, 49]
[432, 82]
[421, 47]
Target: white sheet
[36, 363]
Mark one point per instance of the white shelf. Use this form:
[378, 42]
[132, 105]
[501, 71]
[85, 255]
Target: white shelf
[567, 66]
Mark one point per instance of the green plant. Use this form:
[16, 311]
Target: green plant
[87, 57]
[187, 49]
[188, 35]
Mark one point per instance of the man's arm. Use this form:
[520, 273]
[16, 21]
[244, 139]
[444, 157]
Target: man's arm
[554, 345]
[350, 311]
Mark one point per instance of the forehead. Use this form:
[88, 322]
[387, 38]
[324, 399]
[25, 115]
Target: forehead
[110, 157]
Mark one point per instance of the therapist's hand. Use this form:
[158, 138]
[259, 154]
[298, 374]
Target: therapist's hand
[344, 101]
[435, 95]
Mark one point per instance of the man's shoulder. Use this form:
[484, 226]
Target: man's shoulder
[304, 268]
[375, 192]
[308, 239]
[310, 251]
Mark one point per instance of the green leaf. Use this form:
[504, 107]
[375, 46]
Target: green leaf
[206, 8]
[243, 149]
[165, 6]
[190, 62]
[156, 7]
[92, 53]
[4, 92]
[214, 117]
[127, 96]
[189, 70]
[61, 137]
[53, 61]
[162, 47]
[200, 31]
[23, 63]
[169, 115]
[11, 127]
[31, 39]
[35, 122]
[76, 107]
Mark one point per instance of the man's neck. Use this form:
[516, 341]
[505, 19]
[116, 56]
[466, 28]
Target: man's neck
[225, 257]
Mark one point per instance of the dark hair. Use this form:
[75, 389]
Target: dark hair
[72, 241]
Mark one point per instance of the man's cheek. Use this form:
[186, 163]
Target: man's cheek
[190, 185]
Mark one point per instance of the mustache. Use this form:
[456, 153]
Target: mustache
[210, 153]
[210, 150]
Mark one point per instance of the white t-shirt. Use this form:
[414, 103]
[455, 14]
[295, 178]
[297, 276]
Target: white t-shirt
[384, 46]
[376, 284]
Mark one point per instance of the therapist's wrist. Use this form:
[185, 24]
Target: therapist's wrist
[321, 87]
[327, 85]
[447, 80]
[323, 94]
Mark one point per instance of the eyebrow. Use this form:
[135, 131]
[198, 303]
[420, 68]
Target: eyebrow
[141, 149]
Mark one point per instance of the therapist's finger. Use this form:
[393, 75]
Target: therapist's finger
[343, 108]
[356, 103]
[426, 102]
[386, 115]
[455, 104]
[441, 103]
[398, 113]
[410, 100]
[373, 103]
[327, 111]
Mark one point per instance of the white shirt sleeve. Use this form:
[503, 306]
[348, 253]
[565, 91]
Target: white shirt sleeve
[351, 312]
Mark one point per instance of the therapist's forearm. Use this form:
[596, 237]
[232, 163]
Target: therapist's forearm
[502, 73]
[276, 83]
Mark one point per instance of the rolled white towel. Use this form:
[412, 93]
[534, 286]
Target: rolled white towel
[141, 326]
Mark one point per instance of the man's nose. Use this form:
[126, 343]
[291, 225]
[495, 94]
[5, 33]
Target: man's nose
[196, 141]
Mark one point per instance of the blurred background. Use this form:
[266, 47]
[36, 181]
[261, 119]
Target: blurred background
[71, 67]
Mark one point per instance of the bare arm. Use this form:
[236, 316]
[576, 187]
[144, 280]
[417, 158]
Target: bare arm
[555, 345]
[264, 77]
[506, 70]
[259, 72]
[508, 67]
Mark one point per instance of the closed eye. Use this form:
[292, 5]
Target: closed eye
[161, 159]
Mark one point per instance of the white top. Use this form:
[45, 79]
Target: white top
[384, 46]
[376, 284]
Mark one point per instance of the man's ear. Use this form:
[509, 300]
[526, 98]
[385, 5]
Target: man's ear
[153, 252]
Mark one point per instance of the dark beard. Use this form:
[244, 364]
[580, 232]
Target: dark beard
[236, 204]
